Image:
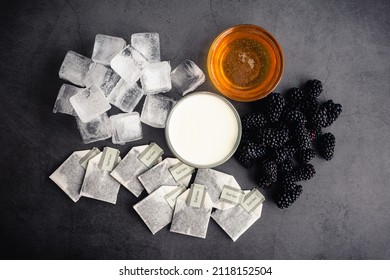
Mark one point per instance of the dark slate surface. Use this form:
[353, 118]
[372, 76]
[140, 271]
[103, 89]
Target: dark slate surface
[343, 212]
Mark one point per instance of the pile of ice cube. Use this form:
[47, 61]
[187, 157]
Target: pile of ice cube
[99, 174]
[110, 78]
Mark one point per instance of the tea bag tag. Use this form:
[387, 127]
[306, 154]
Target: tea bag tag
[232, 195]
[92, 153]
[109, 159]
[173, 195]
[180, 171]
[151, 154]
[196, 196]
[252, 200]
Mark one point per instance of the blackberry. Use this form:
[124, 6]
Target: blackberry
[326, 114]
[319, 119]
[275, 104]
[281, 154]
[264, 182]
[281, 125]
[273, 138]
[295, 96]
[287, 196]
[270, 170]
[287, 180]
[326, 144]
[253, 150]
[303, 173]
[286, 166]
[245, 160]
[332, 111]
[247, 136]
[295, 117]
[310, 107]
[248, 152]
[314, 133]
[254, 120]
[313, 88]
[304, 156]
[301, 137]
[290, 145]
[269, 174]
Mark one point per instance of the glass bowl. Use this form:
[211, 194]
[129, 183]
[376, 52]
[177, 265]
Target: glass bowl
[245, 63]
[203, 129]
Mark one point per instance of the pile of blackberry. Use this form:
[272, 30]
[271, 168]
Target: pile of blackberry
[283, 138]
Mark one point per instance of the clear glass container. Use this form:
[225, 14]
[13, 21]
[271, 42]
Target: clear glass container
[203, 129]
[245, 63]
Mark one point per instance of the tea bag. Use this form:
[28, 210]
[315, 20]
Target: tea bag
[235, 221]
[128, 170]
[214, 181]
[160, 175]
[98, 184]
[155, 210]
[69, 176]
[192, 220]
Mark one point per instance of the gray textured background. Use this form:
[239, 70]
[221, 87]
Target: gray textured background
[343, 212]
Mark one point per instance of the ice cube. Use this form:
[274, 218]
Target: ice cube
[129, 64]
[96, 130]
[74, 68]
[130, 168]
[156, 77]
[90, 103]
[106, 47]
[148, 44]
[98, 184]
[124, 96]
[101, 77]
[69, 176]
[156, 109]
[62, 104]
[126, 127]
[110, 81]
[187, 77]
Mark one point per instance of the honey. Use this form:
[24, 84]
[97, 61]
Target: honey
[245, 63]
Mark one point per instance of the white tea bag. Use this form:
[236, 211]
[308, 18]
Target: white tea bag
[214, 181]
[160, 175]
[98, 184]
[128, 170]
[69, 176]
[155, 209]
[235, 221]
[192, 213]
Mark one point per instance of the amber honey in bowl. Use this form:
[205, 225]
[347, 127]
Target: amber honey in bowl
[245, 63]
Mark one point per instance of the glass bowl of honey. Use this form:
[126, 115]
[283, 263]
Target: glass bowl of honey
[245, 63]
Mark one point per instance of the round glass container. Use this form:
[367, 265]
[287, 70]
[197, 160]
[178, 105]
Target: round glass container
[245, 63]
[203, 129]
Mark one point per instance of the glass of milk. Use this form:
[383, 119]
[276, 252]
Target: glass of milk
[203, 129]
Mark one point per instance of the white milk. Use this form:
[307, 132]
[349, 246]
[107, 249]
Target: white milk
[203, 129]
